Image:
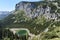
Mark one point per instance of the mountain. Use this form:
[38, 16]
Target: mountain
[35, 16]
[41, 18]
[4, 14]
[50, 9]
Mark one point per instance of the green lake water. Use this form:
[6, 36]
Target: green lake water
[21, 32]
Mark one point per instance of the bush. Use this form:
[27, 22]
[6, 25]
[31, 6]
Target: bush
[58, 10]
[53, 8]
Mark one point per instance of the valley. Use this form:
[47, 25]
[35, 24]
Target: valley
[31, 21]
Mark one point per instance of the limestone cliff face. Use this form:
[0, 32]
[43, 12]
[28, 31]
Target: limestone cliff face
[33, 9]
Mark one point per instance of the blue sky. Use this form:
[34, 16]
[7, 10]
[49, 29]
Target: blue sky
[9, 5]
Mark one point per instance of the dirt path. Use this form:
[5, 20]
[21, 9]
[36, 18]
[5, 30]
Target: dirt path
[15, 29]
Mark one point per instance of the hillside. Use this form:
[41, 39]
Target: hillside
[41, 18]
[34, 18]
[33, 9]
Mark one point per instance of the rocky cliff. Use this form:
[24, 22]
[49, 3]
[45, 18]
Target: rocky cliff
[49, 9]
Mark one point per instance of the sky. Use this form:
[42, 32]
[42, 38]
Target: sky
[9, 5]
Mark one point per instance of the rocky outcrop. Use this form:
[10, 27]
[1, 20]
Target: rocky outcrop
[34, 9]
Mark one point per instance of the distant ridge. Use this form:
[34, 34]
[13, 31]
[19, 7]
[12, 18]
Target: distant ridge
[4, 14]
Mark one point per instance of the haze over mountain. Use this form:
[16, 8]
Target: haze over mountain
[4, 14]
